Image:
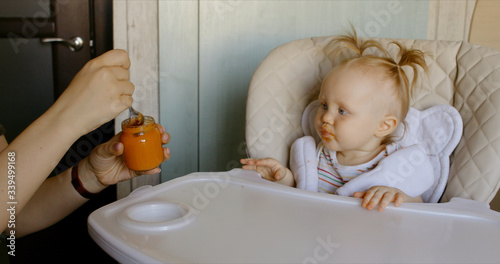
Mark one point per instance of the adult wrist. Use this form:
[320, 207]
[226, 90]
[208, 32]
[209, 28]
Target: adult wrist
[67, 125]
[84, 181]
[77, 184]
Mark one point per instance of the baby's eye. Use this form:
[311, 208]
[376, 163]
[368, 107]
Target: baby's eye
[324, 106]
[342, 111]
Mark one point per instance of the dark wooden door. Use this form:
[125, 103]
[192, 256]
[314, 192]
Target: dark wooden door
[34, 71]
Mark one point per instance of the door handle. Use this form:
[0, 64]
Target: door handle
[75, 44]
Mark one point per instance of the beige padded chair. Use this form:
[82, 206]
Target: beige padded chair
[461, 74]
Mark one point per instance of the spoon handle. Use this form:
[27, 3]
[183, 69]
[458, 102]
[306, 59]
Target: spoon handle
[132, 112]
[136, 116]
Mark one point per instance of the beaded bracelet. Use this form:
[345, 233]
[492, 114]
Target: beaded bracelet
[75, 180]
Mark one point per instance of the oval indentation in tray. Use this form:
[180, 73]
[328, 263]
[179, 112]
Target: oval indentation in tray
[155, 216]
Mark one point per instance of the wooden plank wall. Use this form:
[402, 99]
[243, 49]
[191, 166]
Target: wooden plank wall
[179, 67]
[450, 19]
[135, 26]
[485, 24]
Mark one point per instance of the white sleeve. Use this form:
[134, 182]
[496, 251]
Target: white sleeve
[303, 163]
[408, 169]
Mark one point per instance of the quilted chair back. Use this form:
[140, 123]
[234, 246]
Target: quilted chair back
[461, 74]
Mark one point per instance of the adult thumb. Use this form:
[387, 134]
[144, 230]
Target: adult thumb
[112, 148]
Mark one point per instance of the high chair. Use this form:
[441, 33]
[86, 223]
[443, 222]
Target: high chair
[463, 75]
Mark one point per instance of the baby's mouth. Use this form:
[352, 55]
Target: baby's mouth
[326, 134]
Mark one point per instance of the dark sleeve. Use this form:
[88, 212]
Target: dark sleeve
[2, 129]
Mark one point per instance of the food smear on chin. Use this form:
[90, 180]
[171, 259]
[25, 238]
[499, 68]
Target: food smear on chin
[327, 134]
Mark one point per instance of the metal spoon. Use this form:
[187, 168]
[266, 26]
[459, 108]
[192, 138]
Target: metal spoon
[136, 116]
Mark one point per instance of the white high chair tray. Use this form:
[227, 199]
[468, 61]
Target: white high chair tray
[237, 217]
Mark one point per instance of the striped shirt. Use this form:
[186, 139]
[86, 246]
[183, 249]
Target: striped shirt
[332, 175]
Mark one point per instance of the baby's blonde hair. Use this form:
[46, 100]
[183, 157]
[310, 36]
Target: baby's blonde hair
[391, 69]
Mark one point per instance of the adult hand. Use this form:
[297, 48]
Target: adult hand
[106, 163]
[98, 93]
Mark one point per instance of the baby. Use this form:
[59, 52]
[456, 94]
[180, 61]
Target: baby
[362, 101]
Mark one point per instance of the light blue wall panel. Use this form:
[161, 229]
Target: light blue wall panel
[178, 66]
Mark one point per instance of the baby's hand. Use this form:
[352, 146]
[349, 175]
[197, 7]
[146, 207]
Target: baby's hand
[270, 169]
[383, 196]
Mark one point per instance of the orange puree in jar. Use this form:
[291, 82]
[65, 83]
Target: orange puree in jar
[142, 144]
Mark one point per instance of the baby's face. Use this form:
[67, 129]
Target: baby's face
[351, 110]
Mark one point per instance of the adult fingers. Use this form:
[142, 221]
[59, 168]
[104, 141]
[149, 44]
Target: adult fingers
[165, 138]
[127, 88]
[166, 154]
[125, 101]
[149, 172]
[160, 128]
[117, 72]
[112, 147]
[117, 57]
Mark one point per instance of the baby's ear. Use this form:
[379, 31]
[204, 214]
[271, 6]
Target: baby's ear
[386, 127]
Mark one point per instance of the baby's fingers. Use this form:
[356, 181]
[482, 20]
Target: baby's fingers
[386, 200]
[265, 162]
[358, 194]
[249, 167]
[249, 164]
[375, 196]
[367, 199]
[245, 161]
[399, 199]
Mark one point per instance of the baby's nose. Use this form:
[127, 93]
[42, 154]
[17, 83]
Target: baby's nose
[327, 118]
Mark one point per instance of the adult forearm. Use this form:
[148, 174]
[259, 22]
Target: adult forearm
[36, 152]
[55, 199]
[98, 93]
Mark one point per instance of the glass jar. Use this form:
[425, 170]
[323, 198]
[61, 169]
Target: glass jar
[143, 149]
